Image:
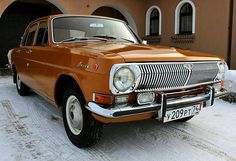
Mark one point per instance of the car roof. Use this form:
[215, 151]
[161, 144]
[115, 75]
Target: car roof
[50, 17]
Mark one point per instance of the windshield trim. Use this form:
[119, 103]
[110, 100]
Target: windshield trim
[135, 36]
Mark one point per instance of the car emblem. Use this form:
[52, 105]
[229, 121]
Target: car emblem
[82, 65]
[189, 66]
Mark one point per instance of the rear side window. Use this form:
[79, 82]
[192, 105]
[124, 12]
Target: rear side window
[30, 36]
[42, 37]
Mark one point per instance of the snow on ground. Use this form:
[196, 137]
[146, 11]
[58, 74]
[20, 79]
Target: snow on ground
[230, 81]
[32, 129]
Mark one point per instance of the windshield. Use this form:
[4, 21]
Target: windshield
[68, 29]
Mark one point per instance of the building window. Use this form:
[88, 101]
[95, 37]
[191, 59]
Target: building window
[185, 17]
[153, 21]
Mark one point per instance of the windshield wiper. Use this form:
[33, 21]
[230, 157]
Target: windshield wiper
[127, 40]
[105, 37]
[82, 39]
[112, 37]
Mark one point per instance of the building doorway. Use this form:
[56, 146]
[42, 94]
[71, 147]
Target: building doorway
[15, 19]
[109, 12]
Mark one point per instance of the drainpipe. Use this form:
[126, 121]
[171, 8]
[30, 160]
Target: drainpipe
[230, 32]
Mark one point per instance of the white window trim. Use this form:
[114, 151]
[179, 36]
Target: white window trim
[148, 14]
[177, 15]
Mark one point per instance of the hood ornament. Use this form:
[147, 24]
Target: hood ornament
[188, 66]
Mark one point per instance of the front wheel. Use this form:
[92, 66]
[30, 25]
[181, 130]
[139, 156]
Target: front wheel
[81, 127]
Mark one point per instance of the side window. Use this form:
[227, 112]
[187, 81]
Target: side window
[42, 37]
[30, 36]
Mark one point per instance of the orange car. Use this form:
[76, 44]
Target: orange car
[97, 70]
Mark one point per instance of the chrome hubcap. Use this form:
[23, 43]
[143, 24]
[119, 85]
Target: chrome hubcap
[74, 115]
[18, 82]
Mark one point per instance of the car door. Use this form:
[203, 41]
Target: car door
[38, 60]
[23, 52]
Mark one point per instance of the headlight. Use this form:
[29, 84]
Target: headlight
[124, 79]
[222, 70]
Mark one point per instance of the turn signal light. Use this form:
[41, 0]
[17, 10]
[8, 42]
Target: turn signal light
[219, 86]
[102, 98]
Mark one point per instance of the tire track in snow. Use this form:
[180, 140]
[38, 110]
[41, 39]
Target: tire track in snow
[24, 139]
[198, 142]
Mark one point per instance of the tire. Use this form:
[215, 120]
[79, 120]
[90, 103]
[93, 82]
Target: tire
[185, 119]
[81, 127]
[22, 89]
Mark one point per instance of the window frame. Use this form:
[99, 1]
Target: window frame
[148, 22]
[27, 34]
[132, 32]
[177, 17]
[36, 37]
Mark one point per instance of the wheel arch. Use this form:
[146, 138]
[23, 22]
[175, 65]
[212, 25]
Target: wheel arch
[64, 82]
[13, 67]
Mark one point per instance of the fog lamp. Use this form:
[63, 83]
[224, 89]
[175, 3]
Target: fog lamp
[121, 99]
[146, 98]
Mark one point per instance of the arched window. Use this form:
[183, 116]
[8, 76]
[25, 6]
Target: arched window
[186, 19]
[153, 21]
[185, 15]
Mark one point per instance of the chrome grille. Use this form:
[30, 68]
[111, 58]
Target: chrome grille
[204, 72]
[164, 76]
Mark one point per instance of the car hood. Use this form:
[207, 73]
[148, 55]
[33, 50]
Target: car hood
[146, 53]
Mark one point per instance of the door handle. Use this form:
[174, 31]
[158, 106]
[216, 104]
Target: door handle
[27, 64]
[29, 51]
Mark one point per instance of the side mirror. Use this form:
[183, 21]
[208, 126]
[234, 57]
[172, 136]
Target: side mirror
[145, 42]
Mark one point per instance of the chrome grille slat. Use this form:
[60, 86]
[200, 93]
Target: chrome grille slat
[153, 77]
[168, 74]
[162, 77]
[165, 76]
[158, 77]
[150, 77]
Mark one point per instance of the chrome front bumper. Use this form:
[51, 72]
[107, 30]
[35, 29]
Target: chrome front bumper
[160, 108]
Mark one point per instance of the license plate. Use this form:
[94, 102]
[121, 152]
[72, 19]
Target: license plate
[181, 113]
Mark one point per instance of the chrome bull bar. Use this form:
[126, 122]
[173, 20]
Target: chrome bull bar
[160, 108]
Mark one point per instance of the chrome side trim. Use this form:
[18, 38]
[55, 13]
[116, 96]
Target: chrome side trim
[159, 108]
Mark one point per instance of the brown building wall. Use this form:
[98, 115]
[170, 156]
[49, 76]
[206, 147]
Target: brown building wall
[233, 52]
[212, 20]
[211, 25]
